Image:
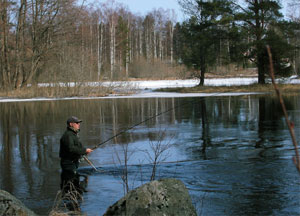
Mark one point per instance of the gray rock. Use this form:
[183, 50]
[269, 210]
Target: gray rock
[160, 198]
[11, 206]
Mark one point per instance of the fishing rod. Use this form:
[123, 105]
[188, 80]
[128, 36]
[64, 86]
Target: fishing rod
[133, 126]
[90, 163]
[152, 117]
[84, 157]
[137, 124]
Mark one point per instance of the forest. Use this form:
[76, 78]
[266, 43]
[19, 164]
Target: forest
[62, 41]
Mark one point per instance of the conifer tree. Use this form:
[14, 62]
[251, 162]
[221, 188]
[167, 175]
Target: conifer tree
[202, 32]
[257, 19]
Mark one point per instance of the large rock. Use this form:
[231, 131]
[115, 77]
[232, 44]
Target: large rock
[160, 198]
[11, 206]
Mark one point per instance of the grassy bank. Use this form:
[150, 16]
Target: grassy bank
[101, 91]
[267, 88]
[57, 92]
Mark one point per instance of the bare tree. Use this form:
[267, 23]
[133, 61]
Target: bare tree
[20, 43]
[4, 34]
[171, 23]
[42, 16]
[99, 48]
[124, 163]
[40, 40]
[158, 152]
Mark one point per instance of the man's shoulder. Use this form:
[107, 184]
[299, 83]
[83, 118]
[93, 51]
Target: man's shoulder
[67, 133]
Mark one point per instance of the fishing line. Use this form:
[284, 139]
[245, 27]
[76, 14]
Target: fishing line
[108, 169]
[152, 117]
[148, 119]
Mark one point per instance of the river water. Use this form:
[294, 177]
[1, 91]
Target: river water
[233, 153]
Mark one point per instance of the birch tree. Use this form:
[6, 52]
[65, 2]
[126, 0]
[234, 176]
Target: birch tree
[51, 40]
[99, 48]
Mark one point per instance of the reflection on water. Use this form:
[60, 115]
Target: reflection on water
[235, 152]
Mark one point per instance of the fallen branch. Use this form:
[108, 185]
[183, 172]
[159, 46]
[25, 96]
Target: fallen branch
[290, 124]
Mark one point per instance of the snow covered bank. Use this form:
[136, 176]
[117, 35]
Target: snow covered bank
[156, 84]
[142, 85]
[146, 88]
[207, 82]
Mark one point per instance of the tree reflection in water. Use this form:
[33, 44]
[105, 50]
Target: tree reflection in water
[246, 135]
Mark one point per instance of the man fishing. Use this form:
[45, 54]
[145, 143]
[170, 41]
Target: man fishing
[71, 150]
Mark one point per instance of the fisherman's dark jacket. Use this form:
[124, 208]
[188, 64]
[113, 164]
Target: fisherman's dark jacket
[71, 150]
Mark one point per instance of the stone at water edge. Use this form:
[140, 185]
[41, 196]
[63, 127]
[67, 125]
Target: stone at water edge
[160, 198]
[11, 206]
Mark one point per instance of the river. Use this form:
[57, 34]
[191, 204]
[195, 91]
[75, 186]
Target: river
[233, 153]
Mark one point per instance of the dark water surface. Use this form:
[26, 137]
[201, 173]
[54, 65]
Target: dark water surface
[234, 154]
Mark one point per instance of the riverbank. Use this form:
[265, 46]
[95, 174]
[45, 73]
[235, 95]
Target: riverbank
[266, 88]
[142, 88]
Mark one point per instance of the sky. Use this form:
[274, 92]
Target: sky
[144, 6]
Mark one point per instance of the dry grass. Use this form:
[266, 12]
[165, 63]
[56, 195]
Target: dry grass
[267, 88]
[67, 204]
[126, 89]
[83, 89]
[231, 70]
[57, 92]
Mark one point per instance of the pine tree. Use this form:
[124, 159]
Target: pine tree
[201, 34]
[257, 18]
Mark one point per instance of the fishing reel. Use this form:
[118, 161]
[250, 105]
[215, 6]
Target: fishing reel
[81, 159]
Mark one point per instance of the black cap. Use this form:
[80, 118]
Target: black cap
[73, 119]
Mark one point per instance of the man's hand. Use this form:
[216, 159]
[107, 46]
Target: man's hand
[88, 150]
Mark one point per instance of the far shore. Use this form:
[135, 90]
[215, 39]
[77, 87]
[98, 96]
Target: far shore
[142, 88]
[266, 88]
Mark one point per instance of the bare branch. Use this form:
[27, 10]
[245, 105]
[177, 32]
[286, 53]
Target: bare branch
[296, 159]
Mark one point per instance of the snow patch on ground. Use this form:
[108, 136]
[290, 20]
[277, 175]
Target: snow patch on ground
[156, 84]
[146, 88]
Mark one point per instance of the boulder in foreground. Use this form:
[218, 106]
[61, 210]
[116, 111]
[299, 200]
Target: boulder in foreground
[11, 206]
[161, 198]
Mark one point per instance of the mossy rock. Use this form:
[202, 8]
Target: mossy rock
[161, 198]
[11, 206]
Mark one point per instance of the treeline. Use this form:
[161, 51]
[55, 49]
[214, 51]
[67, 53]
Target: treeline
[221, 32]
[61, 41]
[52, 40]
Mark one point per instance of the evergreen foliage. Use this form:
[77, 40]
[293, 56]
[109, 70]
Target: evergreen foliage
[201, 35]
[237, 34]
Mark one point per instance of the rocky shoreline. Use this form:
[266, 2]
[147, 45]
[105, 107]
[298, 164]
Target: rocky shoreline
[160, 197]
